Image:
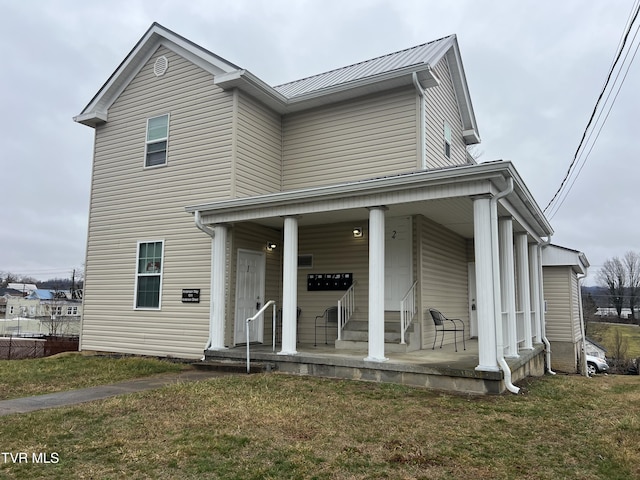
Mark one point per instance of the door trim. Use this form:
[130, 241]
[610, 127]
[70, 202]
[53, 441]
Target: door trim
[261, 288]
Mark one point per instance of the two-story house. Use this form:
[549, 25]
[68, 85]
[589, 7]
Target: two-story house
[213, 193]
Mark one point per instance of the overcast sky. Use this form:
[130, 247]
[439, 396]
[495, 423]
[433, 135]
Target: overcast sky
[534, 69]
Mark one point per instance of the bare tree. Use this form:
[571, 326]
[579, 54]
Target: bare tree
[612, 276]
[632, 265]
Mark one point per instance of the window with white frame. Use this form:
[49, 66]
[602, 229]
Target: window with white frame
[11, 309]
[156, 145]
[56, 310]
[149, 275]
[447, 140]
[72, 310]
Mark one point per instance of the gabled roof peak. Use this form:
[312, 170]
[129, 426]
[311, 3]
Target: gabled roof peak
[426, 54]
[363, 62]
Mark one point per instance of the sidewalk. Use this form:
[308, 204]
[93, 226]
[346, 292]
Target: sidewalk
[74, 397]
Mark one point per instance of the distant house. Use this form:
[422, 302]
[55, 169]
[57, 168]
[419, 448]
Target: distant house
[562, 270]
[25, 288]
[213, 193]
[42, 312]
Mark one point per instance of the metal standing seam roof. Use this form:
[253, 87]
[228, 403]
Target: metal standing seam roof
[427, 53]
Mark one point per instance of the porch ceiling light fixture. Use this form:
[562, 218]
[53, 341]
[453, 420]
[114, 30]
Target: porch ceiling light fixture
[270, 246]
[357, 232]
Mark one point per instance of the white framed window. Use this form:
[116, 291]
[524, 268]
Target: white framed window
[56, 310]
[11, 309]
[149, 275]
[447, 139]
[72, 310]
[157, 139]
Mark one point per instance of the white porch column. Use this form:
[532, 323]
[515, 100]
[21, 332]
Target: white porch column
[289, 287]
[487, 358]
[524, 295]
[508, 288]
[217, 310]
[536, 293]
[376, 285]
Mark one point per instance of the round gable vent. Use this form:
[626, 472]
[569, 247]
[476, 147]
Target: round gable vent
[161, 65]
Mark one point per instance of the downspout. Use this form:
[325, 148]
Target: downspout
[423, 127]
[583, 359]
[543, 320]
[211, 232]
[496, 300]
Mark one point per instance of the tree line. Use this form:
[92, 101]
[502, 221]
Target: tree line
[620, 277]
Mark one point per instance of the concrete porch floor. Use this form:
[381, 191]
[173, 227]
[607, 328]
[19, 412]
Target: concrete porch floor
[442, 368]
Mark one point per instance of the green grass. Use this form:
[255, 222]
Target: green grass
[285, 427]
[604, 333]
[21, 378]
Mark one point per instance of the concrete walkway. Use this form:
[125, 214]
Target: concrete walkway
[74, 397]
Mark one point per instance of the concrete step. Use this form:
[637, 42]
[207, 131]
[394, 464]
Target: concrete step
[234, 366]
[363, 336]
[363, 326]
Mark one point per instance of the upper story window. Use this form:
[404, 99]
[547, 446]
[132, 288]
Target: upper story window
[72, 310]
[149, 275]
[447, 140]
[156, 145]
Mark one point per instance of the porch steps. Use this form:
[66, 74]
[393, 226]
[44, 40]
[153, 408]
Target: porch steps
[356, 335]
[233, 366]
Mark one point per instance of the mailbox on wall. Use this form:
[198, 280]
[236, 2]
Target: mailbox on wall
[329, 281]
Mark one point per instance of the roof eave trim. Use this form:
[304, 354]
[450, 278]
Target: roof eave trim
[245, 80]
[91, 119]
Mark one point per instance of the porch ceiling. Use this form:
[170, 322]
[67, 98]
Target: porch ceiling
[456, 214]
[444, 196]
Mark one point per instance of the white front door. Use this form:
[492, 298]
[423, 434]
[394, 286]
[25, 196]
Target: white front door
[397, 261]
[249, 296]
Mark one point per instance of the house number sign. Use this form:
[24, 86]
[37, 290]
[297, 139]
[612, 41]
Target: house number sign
[190, 295]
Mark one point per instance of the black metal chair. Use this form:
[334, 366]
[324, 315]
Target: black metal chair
[444, 324]
[330, 315]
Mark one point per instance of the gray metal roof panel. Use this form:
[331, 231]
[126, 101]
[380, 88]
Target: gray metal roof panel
[427, 53]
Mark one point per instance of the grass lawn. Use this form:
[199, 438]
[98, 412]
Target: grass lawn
[603, 333]
[22, 378]
[272, 426]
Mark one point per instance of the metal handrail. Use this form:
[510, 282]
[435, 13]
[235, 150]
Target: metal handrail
[251, 319]
[346, 307]
[407, 311]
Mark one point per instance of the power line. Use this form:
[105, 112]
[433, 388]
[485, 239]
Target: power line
[564, 196]
[595, 108]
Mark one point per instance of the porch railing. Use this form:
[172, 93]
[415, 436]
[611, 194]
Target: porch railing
[251, 319]
[407, 311]
[346, 307]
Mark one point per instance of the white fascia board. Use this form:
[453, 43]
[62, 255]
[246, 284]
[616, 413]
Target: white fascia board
[461, 89]
[246, 81]
[468, 180]
[140, 55]
[91, 119]
[350, 189]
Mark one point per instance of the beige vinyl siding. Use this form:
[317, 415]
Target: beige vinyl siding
[444, 271]
[442, 105]
[258, 168]
[562, 316]
[365, 138]
[130, 203]
[334, 250]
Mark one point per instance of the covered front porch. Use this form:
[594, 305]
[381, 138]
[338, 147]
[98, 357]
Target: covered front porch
[442, 368]
[473, 239]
